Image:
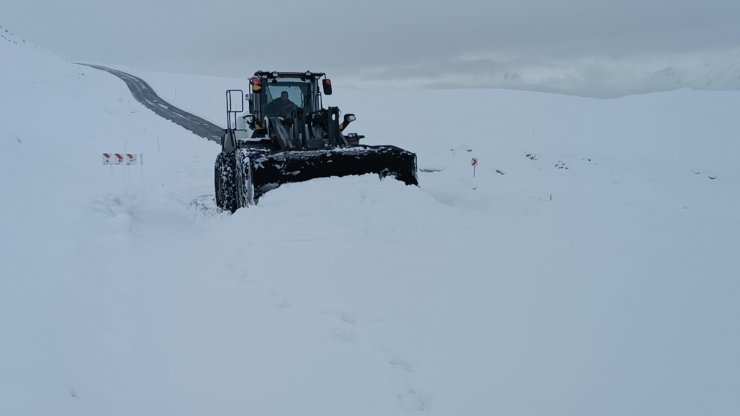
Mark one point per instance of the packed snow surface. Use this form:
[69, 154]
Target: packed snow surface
[589, 267]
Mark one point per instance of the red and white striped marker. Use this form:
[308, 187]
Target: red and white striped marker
[123, 158]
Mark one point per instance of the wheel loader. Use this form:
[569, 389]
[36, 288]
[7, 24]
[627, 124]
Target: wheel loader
[288, 136]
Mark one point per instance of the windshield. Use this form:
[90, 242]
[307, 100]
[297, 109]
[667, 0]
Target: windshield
[299, 93]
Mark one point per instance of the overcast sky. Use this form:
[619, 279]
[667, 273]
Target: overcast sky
[232, 38]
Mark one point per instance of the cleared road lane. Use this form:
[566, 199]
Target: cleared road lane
[144, 94]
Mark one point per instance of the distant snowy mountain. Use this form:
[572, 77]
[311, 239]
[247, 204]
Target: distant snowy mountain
[596, 77]
[720, 77]
[589, 267]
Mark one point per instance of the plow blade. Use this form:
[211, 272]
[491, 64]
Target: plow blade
[262, 171]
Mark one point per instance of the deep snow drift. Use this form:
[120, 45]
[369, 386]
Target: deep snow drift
[590, 267]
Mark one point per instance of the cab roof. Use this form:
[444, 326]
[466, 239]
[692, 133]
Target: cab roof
[298, 75]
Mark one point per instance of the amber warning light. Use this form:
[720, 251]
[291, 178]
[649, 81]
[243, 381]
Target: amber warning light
[256, 85]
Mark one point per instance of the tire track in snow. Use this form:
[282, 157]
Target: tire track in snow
[144, 94]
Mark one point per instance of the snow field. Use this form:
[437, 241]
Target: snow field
[594, 276]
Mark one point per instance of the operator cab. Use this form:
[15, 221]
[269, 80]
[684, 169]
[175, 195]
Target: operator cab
[284, 97]
[267, 98]
[286, 113]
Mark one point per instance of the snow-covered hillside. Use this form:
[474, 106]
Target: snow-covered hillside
[590, 267]
[597, 76]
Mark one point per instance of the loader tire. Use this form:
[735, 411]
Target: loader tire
[225, 181]
[245, 195]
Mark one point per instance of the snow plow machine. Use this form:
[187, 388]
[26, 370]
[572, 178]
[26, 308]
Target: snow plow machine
[288, 136]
